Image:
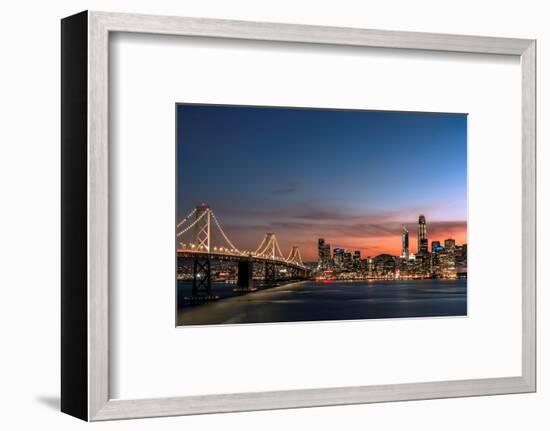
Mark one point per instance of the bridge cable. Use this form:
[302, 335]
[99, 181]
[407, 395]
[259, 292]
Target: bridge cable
[223, 233]
[191, 225]
[185, 218]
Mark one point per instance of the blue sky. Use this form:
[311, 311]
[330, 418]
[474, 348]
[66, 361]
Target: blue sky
[352, 177]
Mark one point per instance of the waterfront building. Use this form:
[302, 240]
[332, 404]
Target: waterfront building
[357, 259]
[450, 244]
[422, 265]
[422, 235]
[323, 250]
[338, 257]
[327, 256]
[384, 266]
[370, 265]
[448, 265]
[348, 261]
[405, 267]
[405, 243]
[436, 259]
[461, 260]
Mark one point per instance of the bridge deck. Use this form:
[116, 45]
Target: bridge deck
[189, 254]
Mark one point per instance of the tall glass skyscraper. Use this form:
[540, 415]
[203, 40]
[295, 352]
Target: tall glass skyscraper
[405, 243]
[422, 235]
[324, 254]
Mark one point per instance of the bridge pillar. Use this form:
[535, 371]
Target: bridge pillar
[293, 273]
[270, 273]
[245, 274]
[201, 276]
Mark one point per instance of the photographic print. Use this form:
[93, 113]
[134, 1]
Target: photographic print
[311, 214]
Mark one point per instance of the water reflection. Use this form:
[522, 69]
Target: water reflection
[312, 301]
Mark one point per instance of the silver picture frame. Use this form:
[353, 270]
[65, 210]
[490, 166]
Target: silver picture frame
[85, 215]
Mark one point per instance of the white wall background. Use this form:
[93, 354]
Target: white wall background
[29, 215]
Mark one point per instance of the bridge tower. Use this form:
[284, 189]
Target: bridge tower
[268, 249]
[201, 264]
[203, 220]
[295, 256]
[270, 241]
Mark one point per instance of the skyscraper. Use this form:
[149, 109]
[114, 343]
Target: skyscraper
[461, 259]
[405, 243]
[339, 257]
[356, 259]
[321, 250]
[435, 245]
[348, 260]
[450, 244]
[324, 253]
[422, 235]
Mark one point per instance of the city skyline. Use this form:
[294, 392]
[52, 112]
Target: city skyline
[354, 178]
[448, 261]
[405, 248]
[326, 249]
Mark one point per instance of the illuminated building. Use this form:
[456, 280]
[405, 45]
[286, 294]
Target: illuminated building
[435, 244]
[450, 244]
[448, 265]
[348, 261]
[338, 256]
[406, 266]
[461, 260]
[422, 235]
[370, 265]
[323, 250]
[436, 259]
[405, 243]
[384, 265]
[356, 259]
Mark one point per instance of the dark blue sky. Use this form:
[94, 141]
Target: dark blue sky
[352, 177]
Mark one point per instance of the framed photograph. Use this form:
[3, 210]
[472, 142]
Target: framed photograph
[261, 216]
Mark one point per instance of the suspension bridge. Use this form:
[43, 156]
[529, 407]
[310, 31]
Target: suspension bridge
[207, 241]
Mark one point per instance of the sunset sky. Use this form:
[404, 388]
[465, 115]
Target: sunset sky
[351, 177]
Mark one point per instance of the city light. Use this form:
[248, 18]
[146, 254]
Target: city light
[447, 261]
[268, 249]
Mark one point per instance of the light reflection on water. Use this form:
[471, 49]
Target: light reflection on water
[311, 301]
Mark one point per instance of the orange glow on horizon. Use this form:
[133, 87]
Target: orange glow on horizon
[373, 246]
